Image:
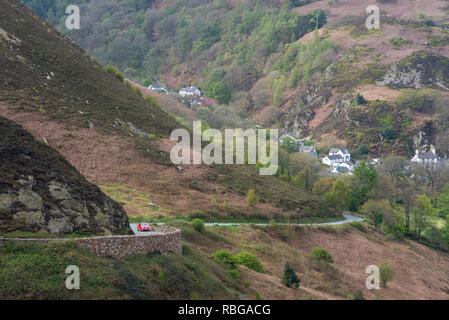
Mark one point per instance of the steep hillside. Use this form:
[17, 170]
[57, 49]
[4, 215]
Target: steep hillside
[261, 59]
[44, 71]
[41, 192]
[36, 271]
[195, 274]
[420, 272]
[406, 52]
[111, 134]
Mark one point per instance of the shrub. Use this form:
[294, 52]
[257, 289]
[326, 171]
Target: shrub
[418, 100]
[153, 101]
[115, 72]
[399, 42]
[360, 100]
[359, 295]
[198, 225]
[379, 211]
[249, 260]
[137, 91]
[290, 278]
[225, 257]
[234, 273]
[389, 133]
[251, 198]
[386, 273]
[322, 186]
[322, 255]
[339, 195]
[358, 225]
[397, 231]
[429, 23]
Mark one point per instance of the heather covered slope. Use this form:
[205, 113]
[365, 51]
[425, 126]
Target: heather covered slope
[63, 96]
[43, 70]
[41, 192]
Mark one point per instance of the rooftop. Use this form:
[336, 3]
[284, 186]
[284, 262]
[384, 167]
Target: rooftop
[189, 89]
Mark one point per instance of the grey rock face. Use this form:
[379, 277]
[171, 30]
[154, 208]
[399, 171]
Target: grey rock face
[60, 225]
[30, 199]
[421, 69]
[58, 190]
[45, 193]
[5, 202]
[35, 218]
[395, 78]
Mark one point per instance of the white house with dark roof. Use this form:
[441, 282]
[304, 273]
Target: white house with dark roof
[158, 88]
[190, 91]
[342, 152]
[331, 160]
[426, 157]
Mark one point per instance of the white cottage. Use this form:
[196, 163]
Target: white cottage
[190, 91]
[426, 157]
[342, 152]
[158, 88]
[331, 160]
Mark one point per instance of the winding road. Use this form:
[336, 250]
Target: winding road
[348, 219]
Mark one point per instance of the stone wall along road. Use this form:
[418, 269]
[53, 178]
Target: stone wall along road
[163, 239]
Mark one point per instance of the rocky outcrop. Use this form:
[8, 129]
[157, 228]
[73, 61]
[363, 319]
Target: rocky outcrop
[421, 69]
[422, 141]
[41, 192]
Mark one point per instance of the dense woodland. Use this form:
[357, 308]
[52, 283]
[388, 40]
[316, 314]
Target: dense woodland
[222, 49]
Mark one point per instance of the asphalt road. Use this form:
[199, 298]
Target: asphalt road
[134, 228]
[348, 219]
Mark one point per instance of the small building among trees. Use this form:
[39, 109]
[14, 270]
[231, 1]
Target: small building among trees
[190, 91]
[158, 88]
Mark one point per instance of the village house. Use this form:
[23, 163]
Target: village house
[339, 161]
[331, 160]
[426, 157]
[189, 91]
[342, 152]
[308, 150]
[158, 88]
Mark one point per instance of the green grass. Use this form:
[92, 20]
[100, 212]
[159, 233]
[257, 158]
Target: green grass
[37, 271]
[41, 235]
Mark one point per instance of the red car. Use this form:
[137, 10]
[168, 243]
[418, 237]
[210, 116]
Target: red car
[142, 226]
